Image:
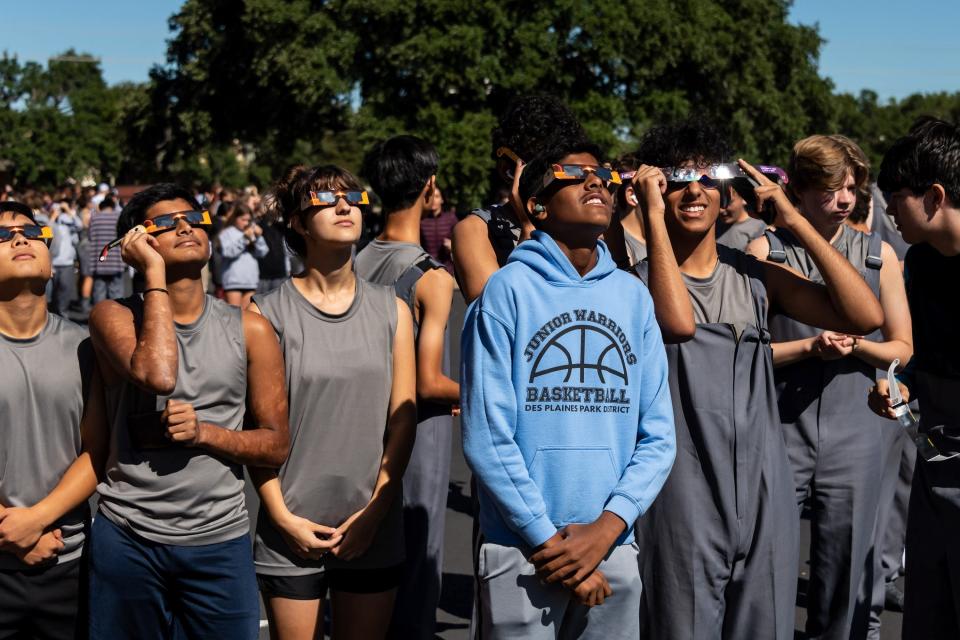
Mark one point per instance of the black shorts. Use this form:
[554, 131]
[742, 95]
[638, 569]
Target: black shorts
[43, 602]
[315, 585]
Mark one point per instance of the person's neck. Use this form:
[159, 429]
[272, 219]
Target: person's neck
[402, 225]
[580, 249]
[186, 297]
[631, 224]
[696, 255]
[828, 230]
[947, 241]
[328, 274]
[23, 310]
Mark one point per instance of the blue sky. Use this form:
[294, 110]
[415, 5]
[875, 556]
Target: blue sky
[893, 47]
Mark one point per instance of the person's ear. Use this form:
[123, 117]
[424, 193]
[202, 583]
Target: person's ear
[934, 198]
[428, 190]
[297, 225]
[536, 210]
[631, 196]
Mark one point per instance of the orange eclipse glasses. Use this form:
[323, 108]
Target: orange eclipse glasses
[28, 231]
[165, 222]
[328, 198]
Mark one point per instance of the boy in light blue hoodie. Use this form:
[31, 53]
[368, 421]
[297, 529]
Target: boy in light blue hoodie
[567, 418]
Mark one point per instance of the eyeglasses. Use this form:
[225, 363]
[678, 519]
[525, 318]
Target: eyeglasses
[327, 198]
[507, 161]
[168, 221]
[581, 172]
[28, 231]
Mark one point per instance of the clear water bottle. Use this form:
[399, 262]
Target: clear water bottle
[927, 450]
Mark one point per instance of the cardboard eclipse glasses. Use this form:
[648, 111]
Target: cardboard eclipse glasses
[328, 198]
[580, 172]
[28, 231]
[165, 222]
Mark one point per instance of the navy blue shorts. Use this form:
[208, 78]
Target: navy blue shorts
[147, 590]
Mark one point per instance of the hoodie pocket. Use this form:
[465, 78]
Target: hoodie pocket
[575, 482]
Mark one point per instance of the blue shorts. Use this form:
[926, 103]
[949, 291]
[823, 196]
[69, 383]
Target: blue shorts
[145, 590]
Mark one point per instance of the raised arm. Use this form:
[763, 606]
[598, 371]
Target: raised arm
[359, 529]
[144, 355]
[473, 256]
[265, 443]
[846, 303]
[434, 299]
[671, 301]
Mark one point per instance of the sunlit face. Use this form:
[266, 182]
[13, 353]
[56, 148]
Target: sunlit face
[22, 259]
[692, 208]
[909, 213]
[183, 244]
[830, 207]
[578, 203]
[339, 223]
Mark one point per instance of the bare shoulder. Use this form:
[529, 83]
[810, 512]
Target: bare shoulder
[759, 247]
[469, 228]
[108, 315]
[255, 326]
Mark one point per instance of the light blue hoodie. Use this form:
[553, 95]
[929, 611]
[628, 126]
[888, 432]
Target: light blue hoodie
[565, 398]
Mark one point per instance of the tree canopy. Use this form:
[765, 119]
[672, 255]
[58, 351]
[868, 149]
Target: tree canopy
[252, 86]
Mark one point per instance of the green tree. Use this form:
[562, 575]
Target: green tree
[58, 121]
[305, 80]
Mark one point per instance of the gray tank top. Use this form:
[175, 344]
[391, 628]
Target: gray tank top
[726, 295]
[383, 262]
[636, 248]
[339, 377]
[165, 492]
[860, 249]
[738, 236]
[44, 382]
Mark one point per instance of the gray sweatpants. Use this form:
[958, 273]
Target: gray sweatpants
[513, 603]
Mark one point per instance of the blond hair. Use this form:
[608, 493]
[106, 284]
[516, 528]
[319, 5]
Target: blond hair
[823, 162]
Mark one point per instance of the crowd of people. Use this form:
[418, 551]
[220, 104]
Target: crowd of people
[668, 359]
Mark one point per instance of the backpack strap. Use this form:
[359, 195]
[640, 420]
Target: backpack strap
[874, 252]
[777, 253]
[406, 284]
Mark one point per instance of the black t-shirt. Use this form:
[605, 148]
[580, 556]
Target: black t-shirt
[274, 264]
[935, 306]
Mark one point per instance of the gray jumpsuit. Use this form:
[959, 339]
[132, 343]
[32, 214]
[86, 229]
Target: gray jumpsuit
[719, 545]
[835, 443]
[426, 480]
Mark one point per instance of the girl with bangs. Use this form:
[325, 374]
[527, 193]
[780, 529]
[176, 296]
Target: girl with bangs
[330, 519]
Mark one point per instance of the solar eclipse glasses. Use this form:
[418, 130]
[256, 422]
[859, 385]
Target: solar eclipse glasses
[328, 198]
[162, 223]
[28, 231]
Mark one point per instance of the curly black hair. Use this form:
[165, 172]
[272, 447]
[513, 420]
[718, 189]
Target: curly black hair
[536, 170]
[533, 123]
[929, 154]
[675, 144]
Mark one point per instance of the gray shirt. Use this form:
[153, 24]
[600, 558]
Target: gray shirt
[738, 235]
[384, 261]
[339, 373]
[44, 382]
[169, 493]
[725, 295]
[636, 248]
